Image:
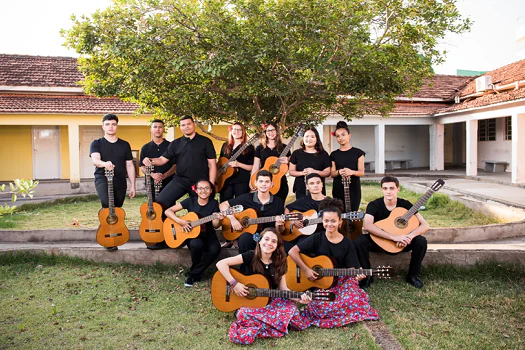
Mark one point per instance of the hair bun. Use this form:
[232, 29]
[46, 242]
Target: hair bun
[341, 125]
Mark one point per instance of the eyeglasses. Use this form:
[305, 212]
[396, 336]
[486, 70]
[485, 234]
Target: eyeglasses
[207, 188]
[239, 130]
[271, 130]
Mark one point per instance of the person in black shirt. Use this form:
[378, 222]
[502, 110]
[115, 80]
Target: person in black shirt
[312, 200]
[111, 153]
[310, 158]
[206, 247]
[272, 146]
[347, 162]
[154, 149]
[380, 209]
[265, 203]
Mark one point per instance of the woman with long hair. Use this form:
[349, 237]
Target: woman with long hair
[310, 158]
[273, 320]
[351, 304]
[347, 162]
[206, 247]
[272, 146]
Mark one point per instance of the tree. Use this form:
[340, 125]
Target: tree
[18, 187]
[253, 61]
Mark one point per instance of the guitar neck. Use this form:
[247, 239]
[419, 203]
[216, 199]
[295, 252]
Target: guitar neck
[207, 219]
[277, 293]
[148, 192]
[111, 198]
[418, 204]
[239, 152]
[264, 220]
[345, 272]
[350, 215]
[286, 149]
[348, 204]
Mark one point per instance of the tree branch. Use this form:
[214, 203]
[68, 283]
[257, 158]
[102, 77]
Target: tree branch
[209, 133]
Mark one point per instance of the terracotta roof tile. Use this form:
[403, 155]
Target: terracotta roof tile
[416, 108]
[486, 100]
[442, 86]
[501, 76]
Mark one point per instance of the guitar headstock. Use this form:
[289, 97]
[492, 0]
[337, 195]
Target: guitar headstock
[109, 174]
[157, 185]
[437, 185]
[300, 130]
[321, 295]
[236, 209]
[149, 169]
[254, 138]
[353, 215]
[346, 181]
[383, 271]
[293, 216]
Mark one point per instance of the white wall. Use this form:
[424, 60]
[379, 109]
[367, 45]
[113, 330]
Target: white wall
[499, 149]
[408, 142]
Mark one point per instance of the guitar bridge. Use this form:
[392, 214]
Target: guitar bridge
[154, 230]
[173, 231]
[298, 274]
[111, 235]
[228, 292]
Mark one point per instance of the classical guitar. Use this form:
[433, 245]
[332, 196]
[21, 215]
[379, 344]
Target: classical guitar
[249, 221]
[274, 165]
[323, 265]
[150, 229]
[259, 294]
[175, 235]
[158, 186]
[112, 231]
[224, 170]
[351, 229]
[310, 222]
[401, 221]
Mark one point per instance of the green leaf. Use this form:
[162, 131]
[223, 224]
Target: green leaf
[13, 197]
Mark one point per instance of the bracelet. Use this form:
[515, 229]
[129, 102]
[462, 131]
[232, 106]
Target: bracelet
[233, 283]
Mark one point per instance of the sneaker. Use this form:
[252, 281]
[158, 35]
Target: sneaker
[157, 246]
[415, 281]
[189, 281]
[111, 249]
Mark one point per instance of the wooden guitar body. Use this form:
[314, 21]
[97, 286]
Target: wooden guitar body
[306, 230]
[243, 218]
[277, 172]
[112, 230]
[395, 225]
[150, 229]
[352, 229]
[175, 236]
[296, 279]
[221, 178]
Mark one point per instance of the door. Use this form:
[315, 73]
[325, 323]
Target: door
[46, 152]
[87, 135]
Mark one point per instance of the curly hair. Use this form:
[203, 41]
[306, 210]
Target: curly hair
[331, 205]
[278, 257]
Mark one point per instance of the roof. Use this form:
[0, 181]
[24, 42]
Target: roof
[415, 108]
[502, 76]
[442, 86]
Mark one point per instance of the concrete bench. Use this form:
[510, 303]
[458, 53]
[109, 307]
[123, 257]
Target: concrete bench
[403, 163]
[369, 165]
[495, 166]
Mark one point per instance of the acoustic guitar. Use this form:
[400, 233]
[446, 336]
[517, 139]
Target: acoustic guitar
[158, 186]
[112, 230]
[310, 222]
[224, 170]
[350, 229]
[175, 235]
[249, 221]
[401, 222]
[150, 229]
[259, 292]
[324, 266]
[274, 165]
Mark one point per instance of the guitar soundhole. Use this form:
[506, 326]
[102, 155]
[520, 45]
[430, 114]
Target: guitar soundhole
[274, 170]
[112, 220]
[245, 222]
[401, 223]
[151, 215]
[306, 222]
[319, 270]
[252, 292]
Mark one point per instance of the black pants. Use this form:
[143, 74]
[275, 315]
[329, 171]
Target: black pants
[234, 190]
[291, 244]
[284, 189]
[165, 183]
[364, 244]
[246, 242]
[355, 198]
[177, 188]
[119, 193]
[204, 250]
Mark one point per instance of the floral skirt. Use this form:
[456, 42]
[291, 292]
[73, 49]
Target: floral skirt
[271, 321]
[351, 304]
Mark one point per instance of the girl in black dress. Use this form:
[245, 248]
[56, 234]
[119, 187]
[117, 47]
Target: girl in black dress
[310, 158]
[347, 162]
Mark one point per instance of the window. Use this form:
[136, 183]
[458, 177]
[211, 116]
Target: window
[487, 130]
[508, 128]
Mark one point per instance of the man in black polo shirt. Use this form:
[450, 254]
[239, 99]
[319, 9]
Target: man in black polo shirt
[314, 184]
[264, 203]
[154, 149]
[380, 209]
[111, 153]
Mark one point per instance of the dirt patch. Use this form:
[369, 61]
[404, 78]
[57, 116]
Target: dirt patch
[382, 335]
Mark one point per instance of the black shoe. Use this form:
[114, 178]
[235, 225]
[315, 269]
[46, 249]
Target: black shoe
[111, 249]
[415, 281]
[366, 282]
[189, 281]
[157, 246]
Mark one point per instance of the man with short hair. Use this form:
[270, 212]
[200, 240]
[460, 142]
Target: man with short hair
[380, 209]
[111, 153]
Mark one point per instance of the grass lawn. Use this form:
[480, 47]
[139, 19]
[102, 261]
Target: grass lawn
[59, 302]
[63, 213]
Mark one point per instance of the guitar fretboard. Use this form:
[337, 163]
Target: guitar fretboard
[418, 205]
[276, 293]
[346, 186]
[349, 216]
[208, 218]
[238, 153]
[344, 272]
[266, 219]
[148, 188]
[111, 199]
[288, 147]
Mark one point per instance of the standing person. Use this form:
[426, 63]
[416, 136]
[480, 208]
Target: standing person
[194, 156]
[347, 162]
[273, 320]
[206, 247]
[310, 158]
[272, 146]
[351, 304]
[264, 203]
[154, 149]
[111, 153]
[380, 209]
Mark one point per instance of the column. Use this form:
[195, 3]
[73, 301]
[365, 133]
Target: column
[320, 130]
[472, 147]
[437, 147]
[74, 155]
[379, 133]
[518, 148]
[170, 135]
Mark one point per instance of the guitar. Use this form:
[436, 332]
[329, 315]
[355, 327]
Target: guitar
[175, 235]
[224, 170]
[249, 221]
[274, 165]
[323, 265]
[112, 230]
[401, 221]
[351, 229]
[157, 186]
[224, 299]
[310, 221]
[150, 229]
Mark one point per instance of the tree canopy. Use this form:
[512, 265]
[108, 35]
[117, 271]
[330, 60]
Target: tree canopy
[255, 61]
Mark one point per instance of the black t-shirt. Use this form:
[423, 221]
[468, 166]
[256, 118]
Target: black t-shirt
[192, 205]
[347, 159]
[246, 157]
[250, 200]
[264, 153]
[304, 204]
[303, 160]
[246, 267]
[379, 211]
[343, 252]
[152, 150]
[191, 156]
[118, 153]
